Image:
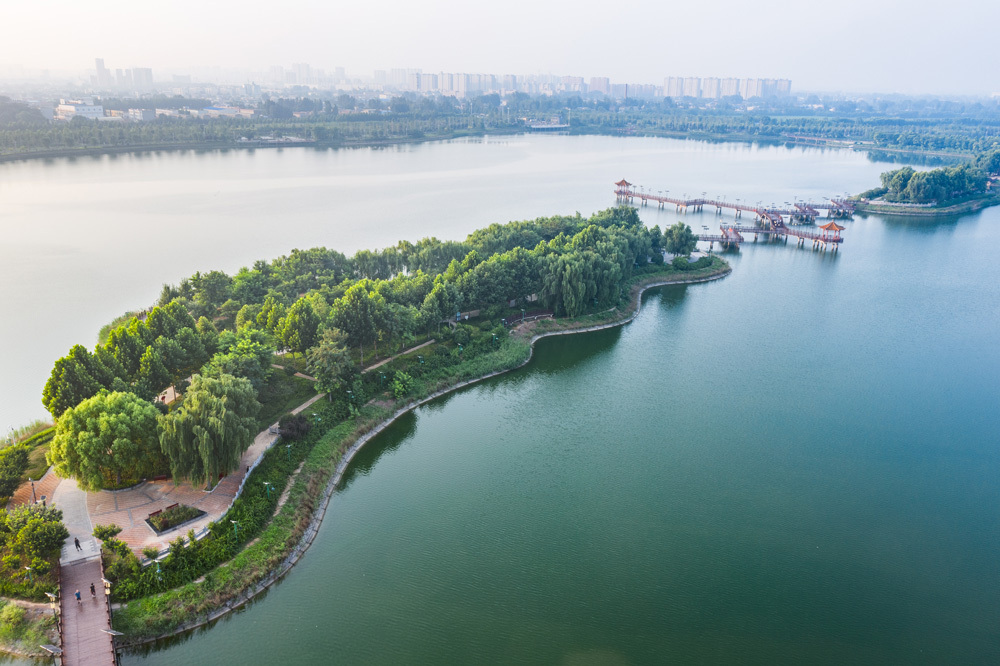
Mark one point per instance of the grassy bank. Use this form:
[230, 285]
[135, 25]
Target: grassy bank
[23, 628]
[394, 389]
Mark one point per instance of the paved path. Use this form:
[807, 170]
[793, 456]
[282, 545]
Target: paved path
[72, 501]
[403, 353]
[44, 487]
[83, 638]
[129, 508]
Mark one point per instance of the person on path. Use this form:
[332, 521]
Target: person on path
[77, 542]
[78, 599]
[93, 592]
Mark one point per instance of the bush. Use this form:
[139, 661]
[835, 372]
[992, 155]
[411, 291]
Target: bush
[12, 615]
[13, 463]
[685, 264]
[293, 427]
[34, 530]
[402, 385]
[175, 515]
[106, 532]
[151, 552]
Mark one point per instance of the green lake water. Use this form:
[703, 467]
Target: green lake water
[796, 464]
[799, 463]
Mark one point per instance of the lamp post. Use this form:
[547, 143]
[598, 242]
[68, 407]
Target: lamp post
[30, 580]
[236, 528]
[421, 359]
[288, 451]
[460, 350]
[33, 500]
[267, 485]
[522, 315]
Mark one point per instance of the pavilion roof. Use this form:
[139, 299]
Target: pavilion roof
[623, 183]
[832, 226]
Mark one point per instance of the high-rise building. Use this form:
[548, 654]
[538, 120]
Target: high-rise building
[692, 86]
[673, 86]
[729, 87]
[142, 78]
[711, 88]
[104, 78]
[752, 88]
[600, 84]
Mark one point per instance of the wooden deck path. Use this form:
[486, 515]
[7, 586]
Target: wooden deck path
[85, 622]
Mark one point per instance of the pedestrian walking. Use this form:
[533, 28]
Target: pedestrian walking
[77, 542]
[78, 599]
[93, 592]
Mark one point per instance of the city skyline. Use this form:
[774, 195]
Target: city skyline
[862, 47]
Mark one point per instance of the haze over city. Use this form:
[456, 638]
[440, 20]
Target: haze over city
[911, 48]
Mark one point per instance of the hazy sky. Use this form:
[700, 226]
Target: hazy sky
[916, 46]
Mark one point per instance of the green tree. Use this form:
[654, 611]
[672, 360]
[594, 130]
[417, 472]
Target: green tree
[359, 313]
[13, 462]
[69, 383]
[330, 362]
[679, 239]
[208, 434]
[106, 438]
[34, 530]
[298, 328]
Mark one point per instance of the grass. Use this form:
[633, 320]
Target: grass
[280, 395]
[298, 361]
[37, 464]
[22, 630]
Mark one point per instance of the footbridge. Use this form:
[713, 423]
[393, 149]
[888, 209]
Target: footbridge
[768, 222]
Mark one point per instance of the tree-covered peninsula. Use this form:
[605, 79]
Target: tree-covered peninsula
[213, 338]
[973, 181]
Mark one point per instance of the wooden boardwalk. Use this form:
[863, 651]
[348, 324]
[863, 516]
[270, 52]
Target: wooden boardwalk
[85, 622]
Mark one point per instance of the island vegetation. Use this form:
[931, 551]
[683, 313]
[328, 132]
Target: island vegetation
[974, 183]
[213, 338]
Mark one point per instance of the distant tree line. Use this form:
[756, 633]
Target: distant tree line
[343, 119]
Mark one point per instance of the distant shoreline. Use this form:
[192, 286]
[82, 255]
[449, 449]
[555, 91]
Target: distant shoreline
[97, 151]
[970, 206]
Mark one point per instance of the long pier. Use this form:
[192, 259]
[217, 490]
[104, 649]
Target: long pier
[769, 222]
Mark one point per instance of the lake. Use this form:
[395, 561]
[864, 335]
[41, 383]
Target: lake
[797, 463]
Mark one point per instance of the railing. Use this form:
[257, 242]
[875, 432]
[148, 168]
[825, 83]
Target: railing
[203, 532]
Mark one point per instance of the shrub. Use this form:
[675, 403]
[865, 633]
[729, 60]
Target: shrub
[175, 515]
[12, 615]
[106, 532]
[402, 385]
[13, 462]
[35, 530]
[151, 552]
[294, 427]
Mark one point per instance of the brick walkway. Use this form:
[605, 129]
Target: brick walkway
[84, 641]
[44, 487]
[129, 508]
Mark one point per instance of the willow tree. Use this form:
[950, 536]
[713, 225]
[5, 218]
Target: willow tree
[207, 436]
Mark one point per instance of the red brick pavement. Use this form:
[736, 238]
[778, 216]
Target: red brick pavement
[43, 487]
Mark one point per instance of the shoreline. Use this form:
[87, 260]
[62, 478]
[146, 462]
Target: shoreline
[907, 211]
[98, 151]
[634, 308]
